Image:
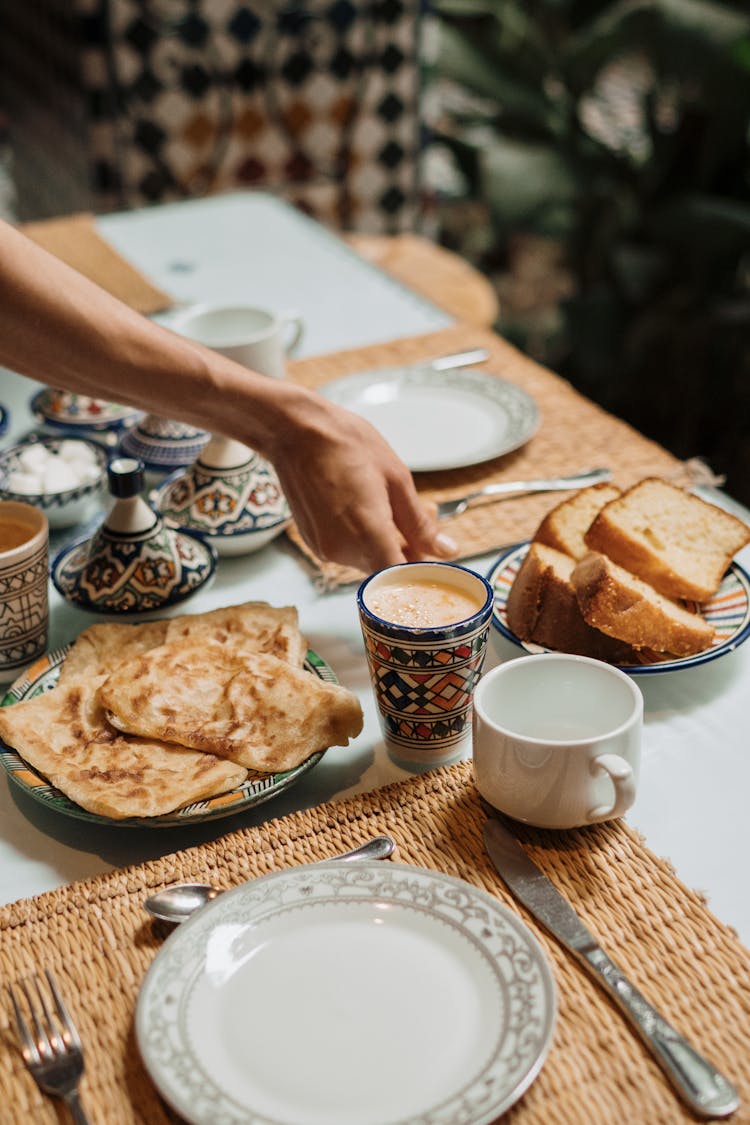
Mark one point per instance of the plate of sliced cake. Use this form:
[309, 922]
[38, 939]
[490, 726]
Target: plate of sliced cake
[644, 579]
[175, 721]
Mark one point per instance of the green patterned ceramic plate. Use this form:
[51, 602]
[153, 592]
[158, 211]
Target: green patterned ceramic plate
[255, 790]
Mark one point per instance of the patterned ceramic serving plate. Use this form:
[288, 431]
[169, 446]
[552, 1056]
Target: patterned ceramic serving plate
[255, 790]
[350, 994]
[728, 611]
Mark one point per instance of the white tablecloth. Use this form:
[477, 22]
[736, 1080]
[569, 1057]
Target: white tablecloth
[695, 775]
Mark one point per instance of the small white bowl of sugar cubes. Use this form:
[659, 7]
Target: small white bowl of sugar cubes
[64, 476]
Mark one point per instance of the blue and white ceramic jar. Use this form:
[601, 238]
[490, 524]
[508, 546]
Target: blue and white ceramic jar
[134, 562]
[230, 495]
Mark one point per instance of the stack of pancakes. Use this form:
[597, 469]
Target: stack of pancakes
[148, 718]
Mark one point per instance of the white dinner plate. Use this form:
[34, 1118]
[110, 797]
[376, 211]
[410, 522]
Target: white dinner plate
[728, 611]
[347, 994]
[438, 420]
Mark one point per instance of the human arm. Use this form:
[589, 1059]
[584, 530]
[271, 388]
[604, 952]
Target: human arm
[353, 499]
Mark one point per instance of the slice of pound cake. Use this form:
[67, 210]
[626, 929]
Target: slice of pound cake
[565, 525]
[670, 538]
[630, 610]
[542, 607]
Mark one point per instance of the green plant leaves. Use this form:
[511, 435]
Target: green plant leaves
[692, 39]
[463, 61]
[620, 129]
[521, 180]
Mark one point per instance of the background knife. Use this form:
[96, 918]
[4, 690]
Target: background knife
[700, 1085]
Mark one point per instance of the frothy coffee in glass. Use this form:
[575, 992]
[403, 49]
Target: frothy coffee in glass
[423, 604]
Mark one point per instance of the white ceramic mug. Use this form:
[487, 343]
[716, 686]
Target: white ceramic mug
[255, 337]
[24, 584]
[556, 740]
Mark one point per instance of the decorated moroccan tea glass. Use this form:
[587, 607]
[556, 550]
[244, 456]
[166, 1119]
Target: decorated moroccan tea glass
[425, 628]
[24, 537]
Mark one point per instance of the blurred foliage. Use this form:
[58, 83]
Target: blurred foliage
[603, 149]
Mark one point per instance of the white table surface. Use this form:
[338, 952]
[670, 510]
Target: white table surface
[695, 775]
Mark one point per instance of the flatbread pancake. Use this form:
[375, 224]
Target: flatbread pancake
[250, 707]
[64, 735]
[100, 647]
[273, 629]
[257, 625]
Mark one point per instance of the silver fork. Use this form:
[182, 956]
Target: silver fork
[52, 1050]
[448, 508]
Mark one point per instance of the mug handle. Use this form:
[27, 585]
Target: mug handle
[298, 327]
[621, 775]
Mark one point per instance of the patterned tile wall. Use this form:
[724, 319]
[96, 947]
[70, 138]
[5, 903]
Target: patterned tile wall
[139, 101]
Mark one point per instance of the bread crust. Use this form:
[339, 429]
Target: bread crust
[621, 605]
[564, 525]
[231, 701]
[64, 735]
[542, 608]
[632, 531]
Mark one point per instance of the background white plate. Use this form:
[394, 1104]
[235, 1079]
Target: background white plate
[473, 416]
[347, 994]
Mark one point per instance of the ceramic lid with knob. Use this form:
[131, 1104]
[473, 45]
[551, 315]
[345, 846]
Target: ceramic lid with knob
[134, 562]
[230, 495]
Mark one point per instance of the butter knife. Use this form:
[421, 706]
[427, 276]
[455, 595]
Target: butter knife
[697, 1082]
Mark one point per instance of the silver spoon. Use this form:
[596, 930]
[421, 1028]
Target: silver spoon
[176, 904]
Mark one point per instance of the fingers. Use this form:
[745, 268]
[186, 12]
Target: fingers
[353, 499]
[351, 525]
[370, 525]
[364, 541]
[418, 524]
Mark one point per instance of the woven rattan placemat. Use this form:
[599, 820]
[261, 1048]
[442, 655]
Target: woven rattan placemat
[438, 274]
[574, 434]
[96, 938]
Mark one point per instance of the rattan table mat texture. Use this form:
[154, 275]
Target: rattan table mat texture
[96, 938]
[574, 434]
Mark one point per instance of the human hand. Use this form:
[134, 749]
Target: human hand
[354, 501]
